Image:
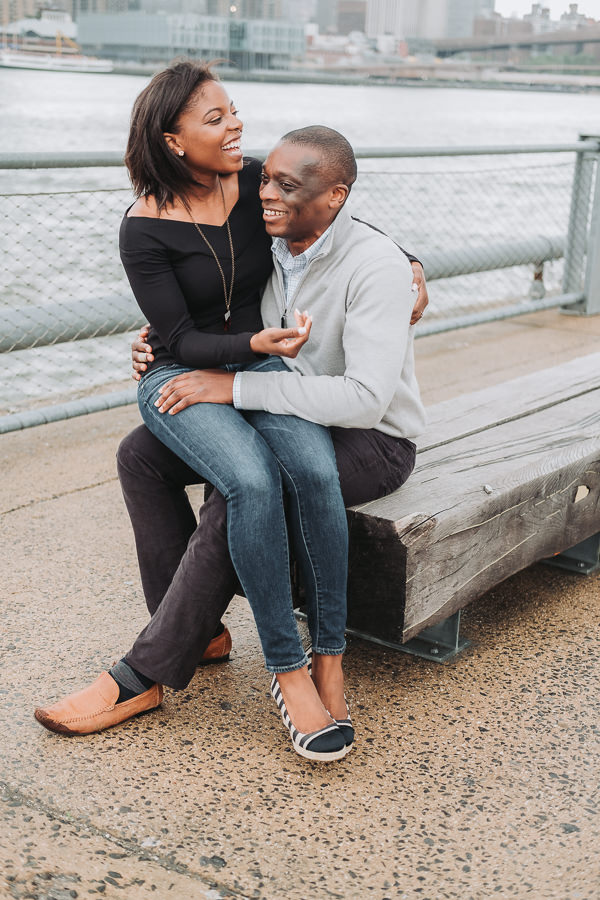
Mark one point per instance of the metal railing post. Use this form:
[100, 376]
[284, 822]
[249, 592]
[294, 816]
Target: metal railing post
[592, 271]
[577, 235]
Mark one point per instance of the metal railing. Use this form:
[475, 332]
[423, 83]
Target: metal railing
[501, 231]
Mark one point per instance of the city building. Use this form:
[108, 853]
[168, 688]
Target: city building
[326, 15]
[12, 10]
[499, 26]
[574, 19]
[386, 17]
[42, 30]
[167, 6]
[299, 10]
[539, 19]
[158, 37]
[254, 9]
[461, 15]
[351, 16]
[425, 19]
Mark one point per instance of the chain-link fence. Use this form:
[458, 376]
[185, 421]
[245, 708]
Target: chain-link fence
[455, 219]
[492, 231]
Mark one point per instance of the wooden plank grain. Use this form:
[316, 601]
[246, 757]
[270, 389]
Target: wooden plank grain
[531, 521]
[454, 539]
[457, 475]
[454, 419]
[411, 580]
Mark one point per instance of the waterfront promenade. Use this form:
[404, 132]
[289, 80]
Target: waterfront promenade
[472, 780]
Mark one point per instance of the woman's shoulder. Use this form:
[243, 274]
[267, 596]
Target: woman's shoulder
[143, 208]
[249, 183]
[138, 230]
[251, 170]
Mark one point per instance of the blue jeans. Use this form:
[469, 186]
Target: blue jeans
[251, 457]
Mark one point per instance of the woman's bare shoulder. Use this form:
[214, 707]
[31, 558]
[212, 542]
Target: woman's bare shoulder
[144, 207]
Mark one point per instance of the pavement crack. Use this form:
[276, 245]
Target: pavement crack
[127, 845]
[78, 490]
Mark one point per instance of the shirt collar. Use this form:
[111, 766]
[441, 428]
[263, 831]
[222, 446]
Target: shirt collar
[287, 260]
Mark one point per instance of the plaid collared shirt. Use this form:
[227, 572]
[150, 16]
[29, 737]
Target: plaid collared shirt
[292, 268]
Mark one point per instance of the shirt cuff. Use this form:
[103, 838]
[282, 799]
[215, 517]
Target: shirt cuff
[237, 390]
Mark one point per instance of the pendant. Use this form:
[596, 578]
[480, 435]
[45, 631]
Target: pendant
[284, 321]
[227, 322]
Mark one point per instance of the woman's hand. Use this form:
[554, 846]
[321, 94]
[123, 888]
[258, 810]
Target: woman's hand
[283, 341]
[422, 295]
[200, 386]
[141, 353]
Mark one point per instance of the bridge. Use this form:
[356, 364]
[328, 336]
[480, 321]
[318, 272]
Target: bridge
[481, 43]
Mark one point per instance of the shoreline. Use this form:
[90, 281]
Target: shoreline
[423, 81]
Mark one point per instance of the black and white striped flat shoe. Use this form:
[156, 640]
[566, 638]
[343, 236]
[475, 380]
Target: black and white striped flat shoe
[325, 745]
[345, 725]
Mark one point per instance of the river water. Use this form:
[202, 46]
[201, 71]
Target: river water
[60, 227]
[57, 111]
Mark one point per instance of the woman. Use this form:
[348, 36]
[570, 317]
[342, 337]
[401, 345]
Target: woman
[212, 186]
[197, 222]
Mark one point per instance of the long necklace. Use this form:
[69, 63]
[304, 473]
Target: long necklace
[226, 293]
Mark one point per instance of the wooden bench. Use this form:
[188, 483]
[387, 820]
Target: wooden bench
[505, 477]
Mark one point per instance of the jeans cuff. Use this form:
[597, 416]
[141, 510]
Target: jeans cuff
[280, 670]
[327, 651]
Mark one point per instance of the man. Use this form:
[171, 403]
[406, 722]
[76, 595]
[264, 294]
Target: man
[355, 374]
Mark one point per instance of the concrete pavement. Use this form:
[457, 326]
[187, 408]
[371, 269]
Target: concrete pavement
[470, 780]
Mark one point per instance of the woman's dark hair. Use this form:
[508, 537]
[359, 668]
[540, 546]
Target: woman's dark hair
[154, 168]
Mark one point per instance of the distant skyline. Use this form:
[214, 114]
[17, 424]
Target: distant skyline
[506, 7]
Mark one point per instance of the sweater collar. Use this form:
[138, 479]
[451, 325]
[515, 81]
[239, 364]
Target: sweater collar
[336, 232]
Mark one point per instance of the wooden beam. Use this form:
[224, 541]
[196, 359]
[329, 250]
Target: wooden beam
[485, 500]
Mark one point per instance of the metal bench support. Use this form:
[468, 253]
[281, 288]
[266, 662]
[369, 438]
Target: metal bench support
[583, 558]
[439, 642]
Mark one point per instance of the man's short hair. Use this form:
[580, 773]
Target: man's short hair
[338, 163]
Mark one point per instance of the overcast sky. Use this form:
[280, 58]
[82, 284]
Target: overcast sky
[587, 7]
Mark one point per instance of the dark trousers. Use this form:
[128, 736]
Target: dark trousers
[187, 575]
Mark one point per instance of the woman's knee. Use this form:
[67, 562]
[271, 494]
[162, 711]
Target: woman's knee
[259, 485]
[318, 473]
[256, 477]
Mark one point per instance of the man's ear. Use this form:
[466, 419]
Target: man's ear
[338, 195]
[172, 142]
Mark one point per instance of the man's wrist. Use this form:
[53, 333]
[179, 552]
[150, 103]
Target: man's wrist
[237, 390]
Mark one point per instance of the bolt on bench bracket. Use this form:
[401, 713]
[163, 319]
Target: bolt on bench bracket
[438, 643]
[583, 558]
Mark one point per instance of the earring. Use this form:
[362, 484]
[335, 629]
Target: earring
[180, 152]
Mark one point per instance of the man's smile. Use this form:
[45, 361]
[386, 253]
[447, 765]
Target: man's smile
[270, 214]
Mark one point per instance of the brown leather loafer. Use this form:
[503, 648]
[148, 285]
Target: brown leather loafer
[218, 650]
[95, 708]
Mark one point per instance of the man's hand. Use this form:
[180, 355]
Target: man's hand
[422, 295]
[200, 386]
[283, 341]
[141, 353]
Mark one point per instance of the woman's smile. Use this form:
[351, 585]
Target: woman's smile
[233, 148]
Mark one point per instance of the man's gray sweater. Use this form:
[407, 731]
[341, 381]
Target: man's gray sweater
[357, 368]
